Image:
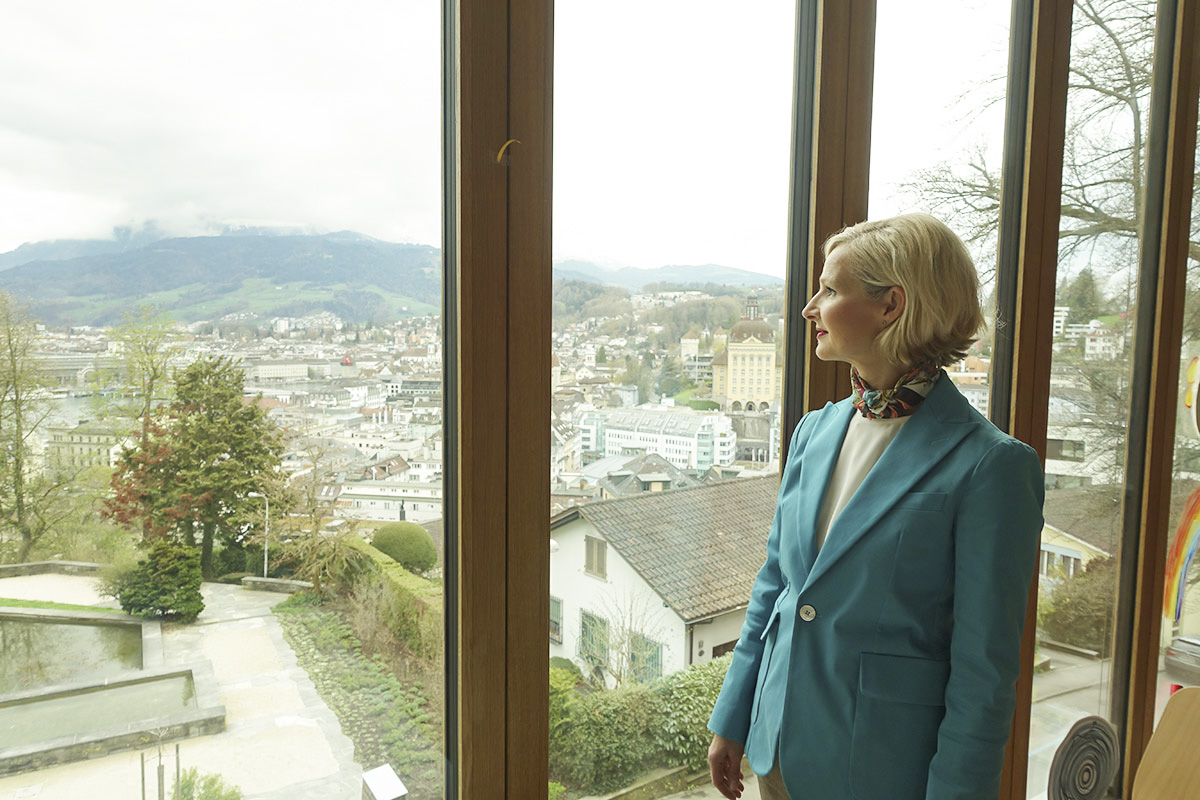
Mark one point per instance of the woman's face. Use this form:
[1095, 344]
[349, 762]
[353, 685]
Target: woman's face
[848, 320]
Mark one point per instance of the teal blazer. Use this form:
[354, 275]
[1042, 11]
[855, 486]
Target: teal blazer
[883, 666]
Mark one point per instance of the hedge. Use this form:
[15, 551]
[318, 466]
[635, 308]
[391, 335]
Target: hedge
[412, 606]
[605, 740]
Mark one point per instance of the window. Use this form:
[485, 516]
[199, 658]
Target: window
[595, 557]
[593, 639]
[1065, 449]
[556, 620]
[645, 658]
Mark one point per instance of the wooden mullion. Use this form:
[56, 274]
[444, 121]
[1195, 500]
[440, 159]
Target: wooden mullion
[1041, 192]
[529, 166]
[841, 156]
[482, 281]
[1155, 522]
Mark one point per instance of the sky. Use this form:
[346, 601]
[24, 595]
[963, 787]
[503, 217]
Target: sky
[672, 119]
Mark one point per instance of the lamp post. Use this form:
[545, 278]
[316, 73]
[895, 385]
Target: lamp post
[266, 527]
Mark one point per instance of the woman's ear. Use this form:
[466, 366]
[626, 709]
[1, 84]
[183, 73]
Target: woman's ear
[894, 300]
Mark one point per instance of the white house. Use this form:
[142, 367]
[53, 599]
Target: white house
[644, 586]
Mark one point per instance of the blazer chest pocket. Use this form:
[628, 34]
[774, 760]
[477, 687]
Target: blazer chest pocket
[900, 705]
[922, 501]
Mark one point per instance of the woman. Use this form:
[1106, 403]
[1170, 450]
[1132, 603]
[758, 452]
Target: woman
[880, 649]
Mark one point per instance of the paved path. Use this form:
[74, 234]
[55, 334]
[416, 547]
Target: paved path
[281, 741]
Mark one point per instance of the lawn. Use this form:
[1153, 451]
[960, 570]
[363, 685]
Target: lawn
[13, 603]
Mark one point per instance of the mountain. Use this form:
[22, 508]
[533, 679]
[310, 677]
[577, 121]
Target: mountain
[124, 239]
[248, 271]
[634, 279]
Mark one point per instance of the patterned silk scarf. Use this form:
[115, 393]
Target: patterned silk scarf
[899, 401]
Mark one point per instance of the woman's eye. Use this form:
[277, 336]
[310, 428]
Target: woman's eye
[829, 292]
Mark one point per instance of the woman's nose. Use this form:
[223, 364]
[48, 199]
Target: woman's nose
[810, 311]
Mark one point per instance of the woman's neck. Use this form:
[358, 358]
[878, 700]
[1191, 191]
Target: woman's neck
[881, 376]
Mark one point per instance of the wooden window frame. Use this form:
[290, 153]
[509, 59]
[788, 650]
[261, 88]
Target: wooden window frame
[499, 57]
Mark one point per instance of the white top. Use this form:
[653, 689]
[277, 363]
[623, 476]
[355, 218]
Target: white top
[865, 441]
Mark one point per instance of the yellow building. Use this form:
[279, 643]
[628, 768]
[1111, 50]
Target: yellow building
[746, 376]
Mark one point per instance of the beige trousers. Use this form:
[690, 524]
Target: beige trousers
[770, 786]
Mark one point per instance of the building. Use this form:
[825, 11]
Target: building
[643, 586]
[83, 445]
[746, 375]
[390, 500]
[688, 439]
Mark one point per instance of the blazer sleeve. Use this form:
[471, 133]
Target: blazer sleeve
[996, 531]
[731, 714]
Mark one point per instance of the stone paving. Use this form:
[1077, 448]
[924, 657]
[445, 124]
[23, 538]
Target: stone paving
[281, 741]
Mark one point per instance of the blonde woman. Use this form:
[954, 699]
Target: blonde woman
[880, 649]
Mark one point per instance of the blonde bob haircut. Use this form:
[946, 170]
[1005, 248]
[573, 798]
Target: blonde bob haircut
[922, 256]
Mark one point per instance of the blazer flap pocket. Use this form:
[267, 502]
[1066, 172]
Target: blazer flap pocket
[774, 612]
[922, 501]
[901, 679]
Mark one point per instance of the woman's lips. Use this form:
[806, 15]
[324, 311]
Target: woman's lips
[820, 333]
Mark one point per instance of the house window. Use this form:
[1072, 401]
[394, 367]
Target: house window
[596, 557]
[721, 649]
[555, 620]
[645, 658]
[593, 639]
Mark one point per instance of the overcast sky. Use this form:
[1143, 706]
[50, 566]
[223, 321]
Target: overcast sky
[671, 119]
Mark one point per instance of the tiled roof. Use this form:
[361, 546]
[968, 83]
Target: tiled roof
[1093, 513]
[699, 548]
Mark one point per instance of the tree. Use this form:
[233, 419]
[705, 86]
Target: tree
[204, 454]
[315, 555]
[1103, 191]
[143, 381]
[1083, 297]
[32, 499]
[601, 355]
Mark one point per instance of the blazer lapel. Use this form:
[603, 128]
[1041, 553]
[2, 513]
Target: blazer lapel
[926, 439]
[822, 449]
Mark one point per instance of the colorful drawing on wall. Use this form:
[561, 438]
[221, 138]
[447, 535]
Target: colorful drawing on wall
[1180, 557]
[1189, 394]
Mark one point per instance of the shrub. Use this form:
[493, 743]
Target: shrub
[194, 786]
[605, 745]
[406, 604]
[165, 584]
[1080, 609]
[689, 697]
[605, 740]
[408, 543]
[229, 559]
[562, 700]
[558, 662]
[556, 791]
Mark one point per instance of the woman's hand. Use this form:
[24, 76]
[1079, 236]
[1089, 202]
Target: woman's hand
[725, 764]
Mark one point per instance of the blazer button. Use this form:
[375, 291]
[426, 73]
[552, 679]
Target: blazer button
[807, 613]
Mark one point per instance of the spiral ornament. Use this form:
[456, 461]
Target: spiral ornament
[1086, 762]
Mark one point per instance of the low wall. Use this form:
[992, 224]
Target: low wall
[101, 741]
[50, 567]
[282, 585]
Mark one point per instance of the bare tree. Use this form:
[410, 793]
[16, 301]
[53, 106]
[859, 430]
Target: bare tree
[1103, 159]
[33, 499]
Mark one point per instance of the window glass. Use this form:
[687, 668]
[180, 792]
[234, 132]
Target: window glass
[220, 289]
[1180, 643]
[1096, 303]
[671, 183]
[937, 137]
